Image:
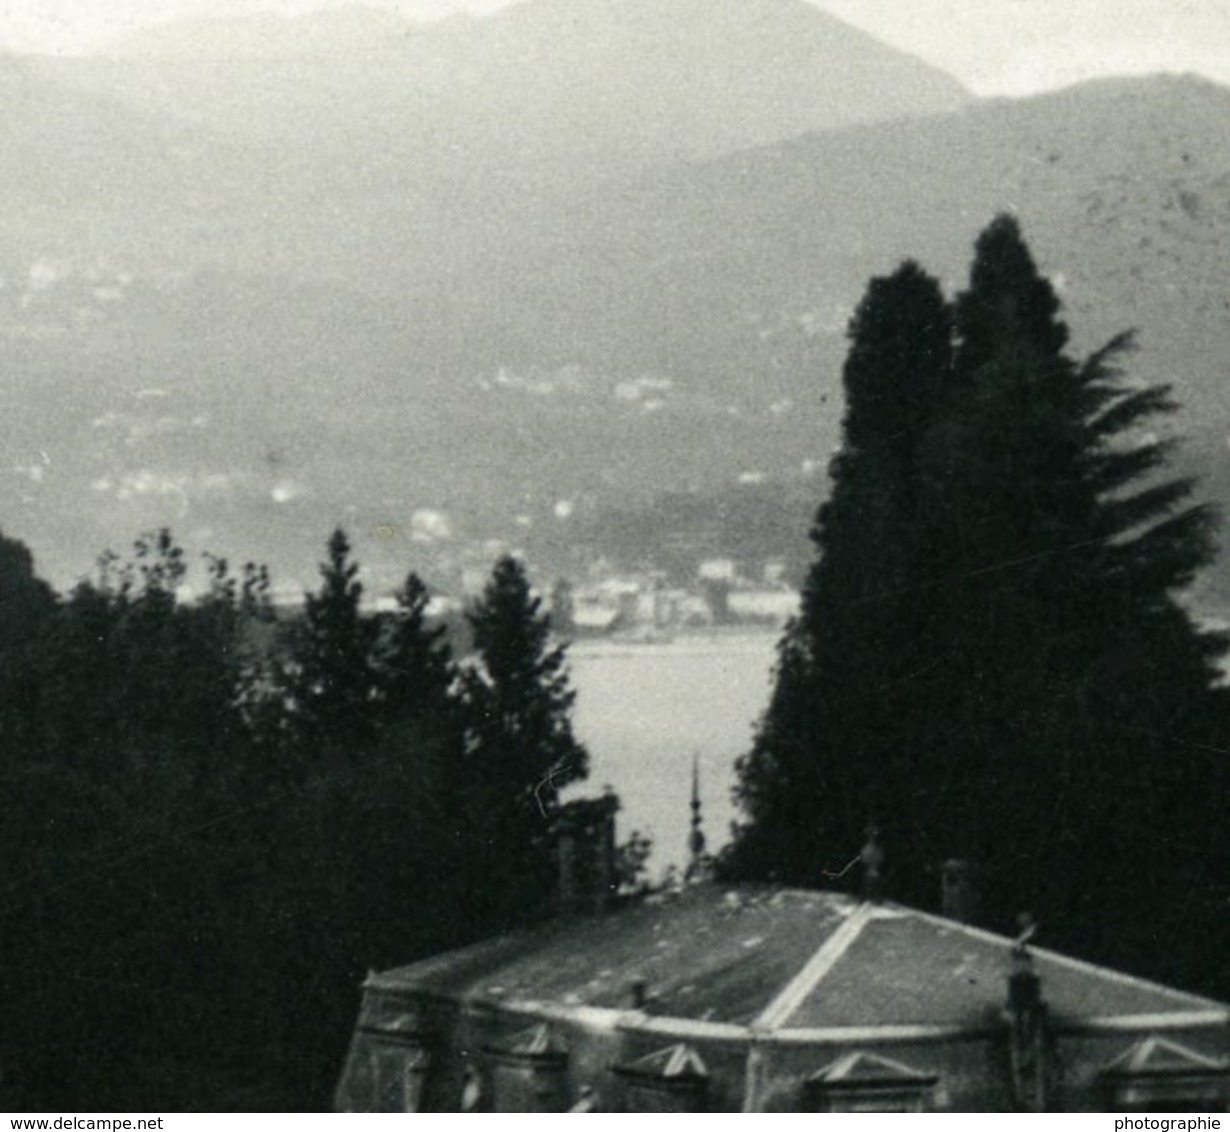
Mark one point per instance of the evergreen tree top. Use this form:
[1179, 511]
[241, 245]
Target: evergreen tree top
[900, 355]
[1008, 305]
[991, 655]
[512, 632]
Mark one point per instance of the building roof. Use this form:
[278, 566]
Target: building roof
[784, 961]
[1159, 1056]
[534, 1045]
[862, 1068]
[677, 1062]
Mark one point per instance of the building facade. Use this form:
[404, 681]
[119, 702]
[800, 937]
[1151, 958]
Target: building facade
[759, 999]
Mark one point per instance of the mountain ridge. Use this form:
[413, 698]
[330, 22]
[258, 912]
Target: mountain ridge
[695, 76]
[333, 343]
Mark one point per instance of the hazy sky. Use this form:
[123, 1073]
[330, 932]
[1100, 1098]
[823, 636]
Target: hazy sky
[994, 46]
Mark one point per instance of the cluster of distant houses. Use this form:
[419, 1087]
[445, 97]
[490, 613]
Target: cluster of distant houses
[637, 606]
[646, 606]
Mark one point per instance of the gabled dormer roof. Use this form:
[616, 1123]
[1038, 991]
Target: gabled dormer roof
[536, 1045]
[869, 1070]
[679, 1062]
[1162, 1057]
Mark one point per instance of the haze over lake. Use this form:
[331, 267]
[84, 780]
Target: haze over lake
[644, 711]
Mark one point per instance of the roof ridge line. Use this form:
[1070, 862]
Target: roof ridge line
[826, 955]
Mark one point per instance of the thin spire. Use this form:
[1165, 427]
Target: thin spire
[696, 839]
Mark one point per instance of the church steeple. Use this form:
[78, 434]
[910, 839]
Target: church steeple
[697, 861]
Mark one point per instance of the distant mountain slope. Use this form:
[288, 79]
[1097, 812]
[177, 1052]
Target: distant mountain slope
[330, 32]
[59, 146]
[284, 336]
[738, 276]
[1116, 183]
[593, 81]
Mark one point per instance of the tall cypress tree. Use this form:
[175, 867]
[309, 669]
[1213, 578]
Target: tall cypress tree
[1072, 657]
[834, 736]
[991, 656]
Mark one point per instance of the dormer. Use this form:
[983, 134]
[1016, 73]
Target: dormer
[528, 1071]
[867, 1082]
[399, 1062]
[1160, 1075]
[674, 1079]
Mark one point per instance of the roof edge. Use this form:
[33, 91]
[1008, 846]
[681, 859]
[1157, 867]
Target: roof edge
[845, 1035]
[1132, 1023]
[1082, 965]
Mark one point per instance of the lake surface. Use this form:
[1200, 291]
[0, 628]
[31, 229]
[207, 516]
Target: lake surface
[645, 710]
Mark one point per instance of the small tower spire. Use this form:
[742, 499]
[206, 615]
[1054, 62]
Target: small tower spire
[696, 839]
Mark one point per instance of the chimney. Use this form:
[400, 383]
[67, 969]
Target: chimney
[1028, 1035]
[585, 853]
[872, 859]
[960, 891]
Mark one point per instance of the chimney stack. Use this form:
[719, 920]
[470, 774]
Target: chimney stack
[585, 853]
[872, 860]
[960, 891]
[1028, 1036]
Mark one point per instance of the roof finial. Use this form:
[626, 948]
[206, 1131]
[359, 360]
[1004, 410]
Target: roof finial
[1020, 945]
[872, 859]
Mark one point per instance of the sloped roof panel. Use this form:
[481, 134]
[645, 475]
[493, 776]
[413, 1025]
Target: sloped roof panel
[908, 968]
[784, 959]
[706, 953]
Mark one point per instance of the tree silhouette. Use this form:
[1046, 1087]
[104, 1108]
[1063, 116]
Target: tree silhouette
[815, 776]
[335, 685]
[521, 751]
[415, 659]
[991, 654]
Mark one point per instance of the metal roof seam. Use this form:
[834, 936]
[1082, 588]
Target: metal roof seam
[826, 955]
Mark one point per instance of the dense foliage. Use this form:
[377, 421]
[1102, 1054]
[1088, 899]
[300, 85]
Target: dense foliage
[991, 661]
[218, 815]
[519, 745]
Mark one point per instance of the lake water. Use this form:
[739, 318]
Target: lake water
[645, 710]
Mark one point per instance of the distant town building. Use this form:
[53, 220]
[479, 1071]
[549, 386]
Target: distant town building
[763, 606]
[717, 570]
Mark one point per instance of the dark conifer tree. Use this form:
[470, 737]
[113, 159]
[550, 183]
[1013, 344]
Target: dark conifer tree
[335, 685]
[521, 751]
[27, 607]
[415, 659]
[990, 658]
[831, 752]
[421, 746]
[1065, 549]
[134, 679]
